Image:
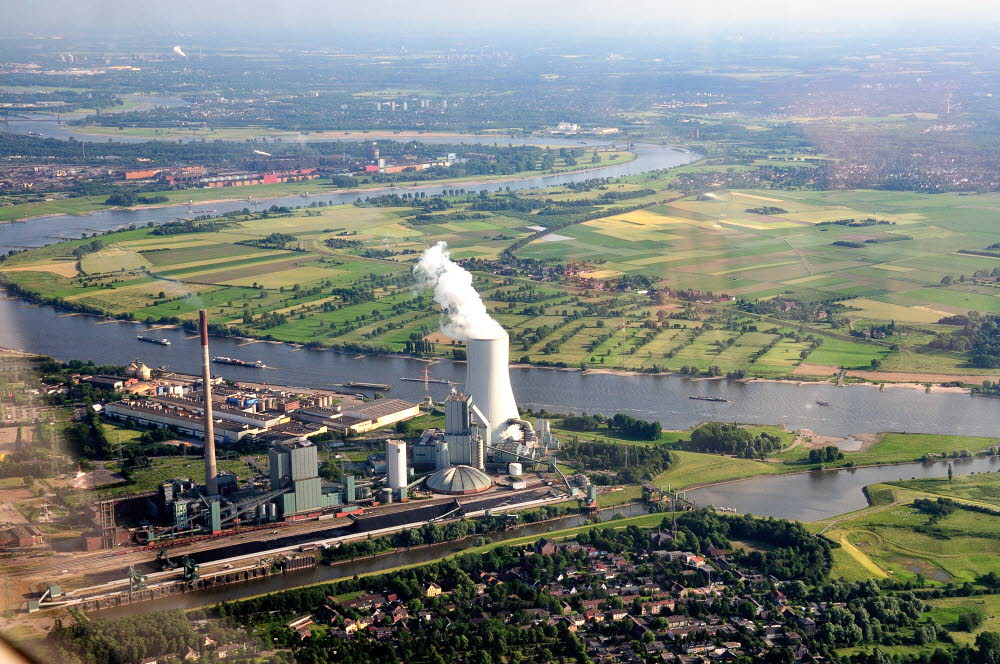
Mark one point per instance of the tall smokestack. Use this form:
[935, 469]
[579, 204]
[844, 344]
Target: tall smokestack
[488, 381]
[211, 472]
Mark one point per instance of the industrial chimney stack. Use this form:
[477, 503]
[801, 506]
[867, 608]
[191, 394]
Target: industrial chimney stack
[211, 472]
[488, 382]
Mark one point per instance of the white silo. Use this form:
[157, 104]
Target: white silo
[441, 455]
[488, 381]
[395, 464]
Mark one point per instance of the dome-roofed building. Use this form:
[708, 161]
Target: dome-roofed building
[458, 481]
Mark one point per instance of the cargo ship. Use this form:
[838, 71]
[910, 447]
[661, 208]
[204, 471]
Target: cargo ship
[719, 399]
[367, 386]
[442, 381]
[239, 363]
[153, 340]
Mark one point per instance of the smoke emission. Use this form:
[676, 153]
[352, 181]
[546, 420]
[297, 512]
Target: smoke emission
[467, 317]
[179, 51]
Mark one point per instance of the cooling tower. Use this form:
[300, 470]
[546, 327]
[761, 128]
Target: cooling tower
[488, 382]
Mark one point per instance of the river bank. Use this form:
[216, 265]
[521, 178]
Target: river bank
[40, 300]
[873, 379]
[250, 190]
[49, 331]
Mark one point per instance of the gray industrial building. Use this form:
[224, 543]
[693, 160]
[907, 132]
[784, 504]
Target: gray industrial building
[294, 465]
[466, 433]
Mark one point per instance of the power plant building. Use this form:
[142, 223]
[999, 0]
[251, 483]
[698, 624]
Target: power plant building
[459, 481]
[467, 432]
[294, 465]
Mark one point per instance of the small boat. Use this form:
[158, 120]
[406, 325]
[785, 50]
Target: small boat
[700, 398]
[428, 380]
[823, 403]
[152, 340]
[239, 363]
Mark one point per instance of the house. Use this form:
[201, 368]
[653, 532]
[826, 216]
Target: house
[617, 614]
[545, 547]
[352, 626]
[228, 649]
[433, 590]
[191, 655]
[806, 624]
[364, 602]
[301, 626]
[675, 621]
[381, 633]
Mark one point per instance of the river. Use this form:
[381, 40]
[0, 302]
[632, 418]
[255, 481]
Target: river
[852, 409]
[816, 495]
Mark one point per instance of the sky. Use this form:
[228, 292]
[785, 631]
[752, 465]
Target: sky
[513, 18]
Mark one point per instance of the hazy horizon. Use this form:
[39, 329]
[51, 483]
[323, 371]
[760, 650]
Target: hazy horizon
[640, 20]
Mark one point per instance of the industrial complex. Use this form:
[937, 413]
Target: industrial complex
[484, 446]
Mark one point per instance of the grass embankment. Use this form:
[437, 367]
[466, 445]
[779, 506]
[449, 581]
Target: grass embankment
[895, 539]
[899, 448]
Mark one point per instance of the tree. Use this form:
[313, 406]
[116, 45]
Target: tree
[950, 472]
[970, 621]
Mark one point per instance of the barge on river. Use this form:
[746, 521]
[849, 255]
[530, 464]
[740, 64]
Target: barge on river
[239, 363]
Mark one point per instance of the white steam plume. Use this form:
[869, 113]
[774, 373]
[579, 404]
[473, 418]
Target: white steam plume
[454, 292]
[179, 51]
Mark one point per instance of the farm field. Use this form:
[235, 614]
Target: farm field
[703, 252]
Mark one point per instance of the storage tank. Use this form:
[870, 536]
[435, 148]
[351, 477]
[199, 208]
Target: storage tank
[488, 382]
[514, 468]
[272, 511]
[395, 463]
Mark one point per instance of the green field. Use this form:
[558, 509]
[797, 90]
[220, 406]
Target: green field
[895, 539]
[983, 488]
[902, 447]
[165, 468]
[709, 245]
[946, 611]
